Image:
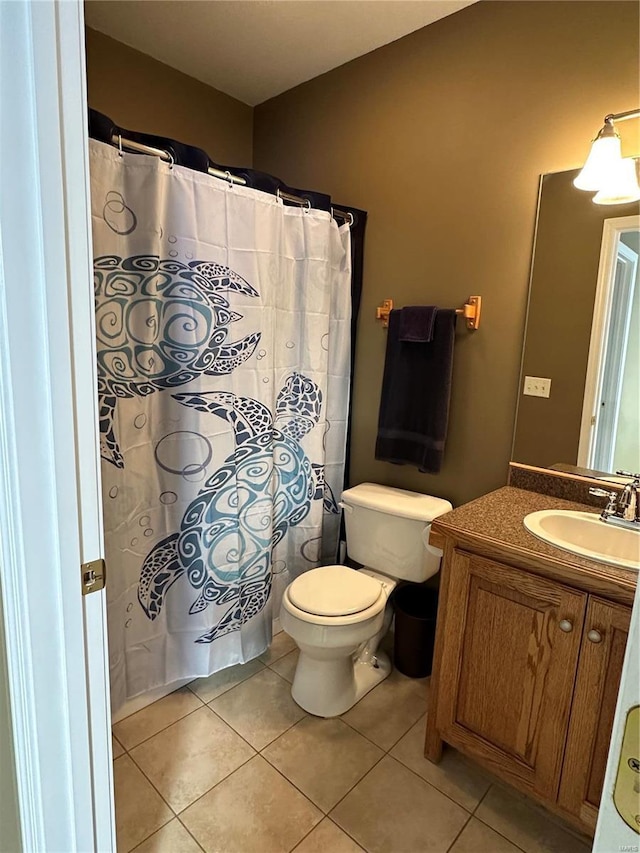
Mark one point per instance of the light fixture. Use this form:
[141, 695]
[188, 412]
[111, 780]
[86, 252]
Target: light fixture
[622, 186]
[605, 172]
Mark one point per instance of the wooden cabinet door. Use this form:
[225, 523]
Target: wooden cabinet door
[508, 669]
[594, 701]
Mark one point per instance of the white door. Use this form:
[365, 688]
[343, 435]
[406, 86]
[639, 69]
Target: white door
[618, 827]
[614, 359]
[50, 522]
[610, 330]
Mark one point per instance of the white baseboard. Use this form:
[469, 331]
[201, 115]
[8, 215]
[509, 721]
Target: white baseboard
[140, 702]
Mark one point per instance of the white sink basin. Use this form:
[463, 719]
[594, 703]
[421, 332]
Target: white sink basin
[585, 534]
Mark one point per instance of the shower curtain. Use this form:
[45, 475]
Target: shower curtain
[223, 338]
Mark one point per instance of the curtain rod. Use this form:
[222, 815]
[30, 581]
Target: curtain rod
[138, 148]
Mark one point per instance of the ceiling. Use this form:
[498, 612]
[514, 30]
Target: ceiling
[256, 49]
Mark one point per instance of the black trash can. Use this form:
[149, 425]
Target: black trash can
[416, 609]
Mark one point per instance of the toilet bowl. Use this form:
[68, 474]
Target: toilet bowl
[338, 615]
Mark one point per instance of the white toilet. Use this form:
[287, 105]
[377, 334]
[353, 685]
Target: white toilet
[338, 615]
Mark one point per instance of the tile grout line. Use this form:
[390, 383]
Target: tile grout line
[147, 837]
[462, 829]
[231, 686]
[187, 830]
[482, 799]
[256, 752]
[484, 822]
[501, 834]
[348, 834]
[173, 812]
[178, 813]
[529, 803]
[164, 728]
[373, 766]
[326, 817]
[259, 751]
[324, 813]
[431, 785]
[208, 791]
[298, 843]
[308, 799]
[188, 714]
[387, 754]
[394, 744]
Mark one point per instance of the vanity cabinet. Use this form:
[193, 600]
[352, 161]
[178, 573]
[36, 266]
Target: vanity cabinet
[604, 641]
[526, 677]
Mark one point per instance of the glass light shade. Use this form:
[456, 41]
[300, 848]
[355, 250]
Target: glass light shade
[605, 156]
[621, 186]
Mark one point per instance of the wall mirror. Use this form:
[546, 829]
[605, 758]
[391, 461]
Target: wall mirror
[582, 333]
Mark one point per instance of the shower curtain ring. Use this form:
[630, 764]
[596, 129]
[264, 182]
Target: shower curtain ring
[120, 151]
[171, 159]
[229, 177]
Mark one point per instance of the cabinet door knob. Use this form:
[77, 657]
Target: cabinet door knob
[566, 626]
[594, 636]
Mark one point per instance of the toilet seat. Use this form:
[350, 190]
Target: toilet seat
[340, 619]
[334, 591]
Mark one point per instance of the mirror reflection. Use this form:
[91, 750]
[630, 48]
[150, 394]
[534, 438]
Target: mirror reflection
[582, 334]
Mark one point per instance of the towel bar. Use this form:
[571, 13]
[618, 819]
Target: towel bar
[383, 311]
[470, 311]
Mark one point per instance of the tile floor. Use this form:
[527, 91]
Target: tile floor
[230, 764]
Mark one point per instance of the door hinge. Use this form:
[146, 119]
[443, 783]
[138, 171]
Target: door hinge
[93, 575]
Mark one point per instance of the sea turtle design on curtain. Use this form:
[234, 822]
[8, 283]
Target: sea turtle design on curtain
[244, 509]
[161, 323]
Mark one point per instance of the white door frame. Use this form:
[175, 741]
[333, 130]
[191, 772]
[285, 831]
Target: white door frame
[614, 357]
[50, 510]
[612, 229]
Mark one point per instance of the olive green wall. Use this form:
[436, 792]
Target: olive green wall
[442, 136]
[142, 94]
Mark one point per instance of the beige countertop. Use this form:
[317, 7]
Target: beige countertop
[493, 527]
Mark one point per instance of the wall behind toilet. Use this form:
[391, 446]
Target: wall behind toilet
[442, 136]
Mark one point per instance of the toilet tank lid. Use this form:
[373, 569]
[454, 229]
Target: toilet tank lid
[413, 505]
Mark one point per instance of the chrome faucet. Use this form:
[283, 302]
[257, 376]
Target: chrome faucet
[623, 508]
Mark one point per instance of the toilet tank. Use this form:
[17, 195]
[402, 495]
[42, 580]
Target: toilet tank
[388, 530]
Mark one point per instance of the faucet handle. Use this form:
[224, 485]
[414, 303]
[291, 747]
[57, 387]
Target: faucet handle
[628, 474]
[612, 499]
[603, 493]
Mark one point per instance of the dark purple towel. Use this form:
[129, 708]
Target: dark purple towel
[416, 388]
[416, 323]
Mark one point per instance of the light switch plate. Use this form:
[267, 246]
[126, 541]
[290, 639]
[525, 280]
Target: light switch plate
[626, 793]
[536, 386]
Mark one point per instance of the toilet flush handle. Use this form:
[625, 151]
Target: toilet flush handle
[425, 541]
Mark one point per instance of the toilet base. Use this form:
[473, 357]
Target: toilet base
[328, 688]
